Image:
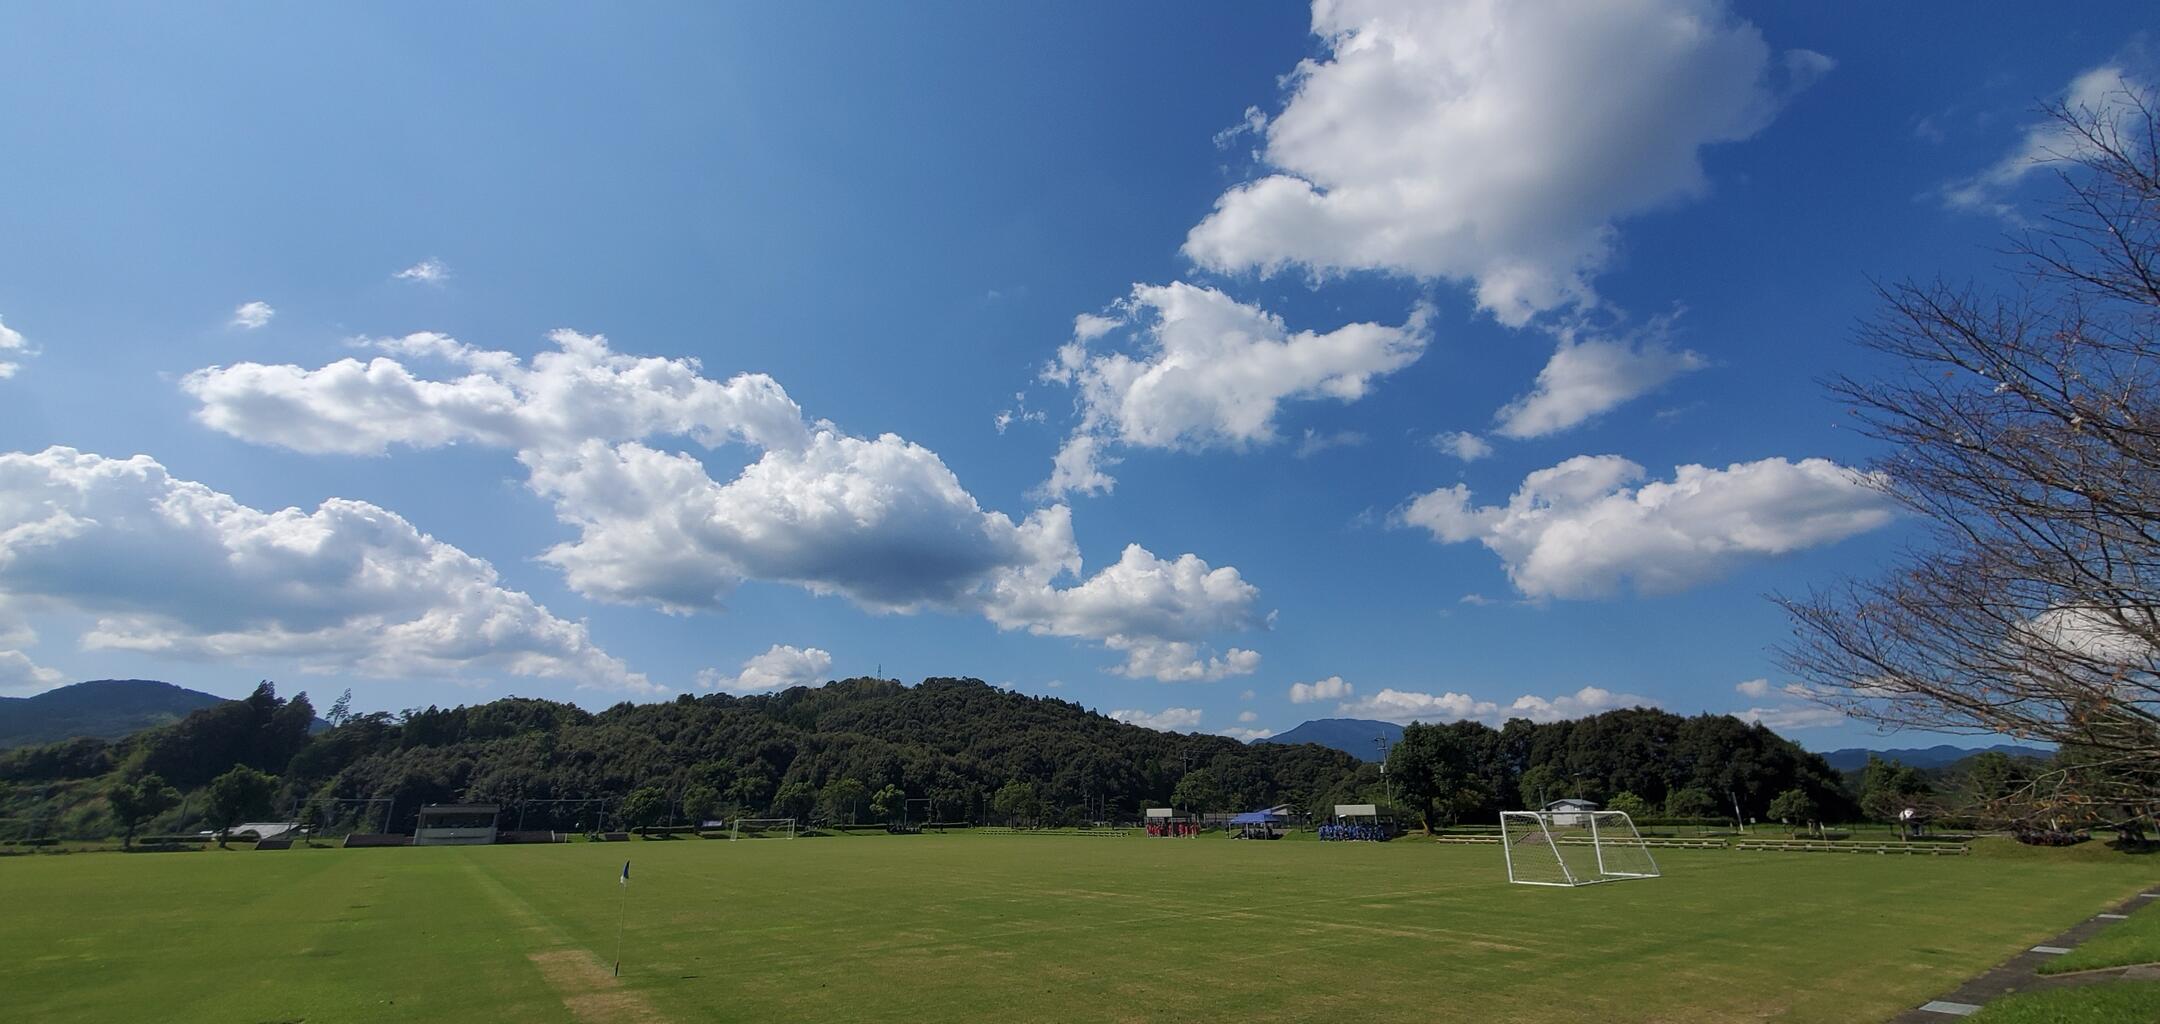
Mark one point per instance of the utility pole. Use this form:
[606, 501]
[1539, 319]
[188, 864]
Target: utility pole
[1387, 786]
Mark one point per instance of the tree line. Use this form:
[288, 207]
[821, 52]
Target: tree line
[872, 750]
[1652, 763]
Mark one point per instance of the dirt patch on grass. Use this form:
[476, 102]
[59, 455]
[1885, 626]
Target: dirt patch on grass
[592, 993]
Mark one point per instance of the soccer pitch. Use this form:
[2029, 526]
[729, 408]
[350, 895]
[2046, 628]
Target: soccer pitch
[1007, 928]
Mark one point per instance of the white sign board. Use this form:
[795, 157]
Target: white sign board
[1160, 812]
[1356, 811]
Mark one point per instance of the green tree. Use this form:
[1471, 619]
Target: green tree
[1199, 792]
[1992, 775]
[1017, 801]
[316, 816]
[889, 802]
[645, 806]
[748, 791]
[340, 709]
[1691, 802]
[238, 795]
[2023, 793]
[1541, 785]
[795, 800]
[1434, 769]
[139, 801]
[1634, 806]
[1794, 807]
[1888, 787]
[699, 800]
[844, 797]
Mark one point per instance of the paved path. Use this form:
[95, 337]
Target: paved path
[2021, 972]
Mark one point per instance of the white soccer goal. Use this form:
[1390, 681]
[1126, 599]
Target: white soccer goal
[763, 828]
[1573, 847]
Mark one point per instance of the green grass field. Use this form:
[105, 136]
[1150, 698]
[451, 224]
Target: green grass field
[1004, 929]
[2136, 1002]
[2135, 941]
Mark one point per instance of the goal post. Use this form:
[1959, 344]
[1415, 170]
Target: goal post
[763, 828]
[1570, 848]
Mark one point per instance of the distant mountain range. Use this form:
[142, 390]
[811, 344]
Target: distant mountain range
[104, 708]
[1356, 737]
[1852, 759]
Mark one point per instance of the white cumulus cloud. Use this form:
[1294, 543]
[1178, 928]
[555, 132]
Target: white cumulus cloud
[2107, 92]
[780, 667]
[1406, 706]
[12, 346]
[2121, 635]
[1589, 700]
[1166, 720]
[1316, 442]
[427, 271]
[1792, 716]
[1583, 528]
[558, 399]
[19, 675]
[1590, 376]
[1201, 370]
[1757, 688]
[879, 520]
[1155, 611]
[251, 315]
[172, 567]
[1494, 143]
[1463, 445]
[1331, 688]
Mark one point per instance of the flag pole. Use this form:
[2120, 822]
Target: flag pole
[622, 908]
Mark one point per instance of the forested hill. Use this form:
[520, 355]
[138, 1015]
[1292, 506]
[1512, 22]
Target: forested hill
[956, 742]
[1852, 759]
[1361, 738]
[104, 708]
[845, 749]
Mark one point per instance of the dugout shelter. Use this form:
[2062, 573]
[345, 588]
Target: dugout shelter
[456, 825]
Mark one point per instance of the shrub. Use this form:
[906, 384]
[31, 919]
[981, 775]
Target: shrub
[2052, 837]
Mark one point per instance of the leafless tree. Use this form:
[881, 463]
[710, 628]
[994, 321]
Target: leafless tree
[2024, 430]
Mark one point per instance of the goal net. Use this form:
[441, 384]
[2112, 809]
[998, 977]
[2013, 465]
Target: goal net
[763, 828]
[1573, 847]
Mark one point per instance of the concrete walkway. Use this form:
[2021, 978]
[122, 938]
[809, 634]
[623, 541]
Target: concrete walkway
[2021, 972]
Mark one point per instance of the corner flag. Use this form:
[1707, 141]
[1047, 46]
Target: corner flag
[621, 914]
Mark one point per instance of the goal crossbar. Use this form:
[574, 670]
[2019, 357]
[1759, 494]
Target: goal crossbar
[761, 828]
[1571, 848]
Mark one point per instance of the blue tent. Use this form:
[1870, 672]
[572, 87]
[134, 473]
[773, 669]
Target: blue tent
[1257, 818]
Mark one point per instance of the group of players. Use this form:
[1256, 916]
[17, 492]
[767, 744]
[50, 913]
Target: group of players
[1344, 831]
[1368, 832]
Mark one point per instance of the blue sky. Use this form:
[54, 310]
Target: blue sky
[1292, 282]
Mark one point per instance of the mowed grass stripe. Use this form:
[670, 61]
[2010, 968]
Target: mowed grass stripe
[979, 928]
[241, 936]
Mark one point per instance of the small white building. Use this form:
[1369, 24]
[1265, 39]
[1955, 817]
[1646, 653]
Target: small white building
[1571, 812]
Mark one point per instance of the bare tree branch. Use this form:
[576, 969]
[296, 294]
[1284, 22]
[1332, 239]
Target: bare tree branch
[2024, 432]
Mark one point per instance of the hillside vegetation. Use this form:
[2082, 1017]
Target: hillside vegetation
[854, 749]
[102, 708]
